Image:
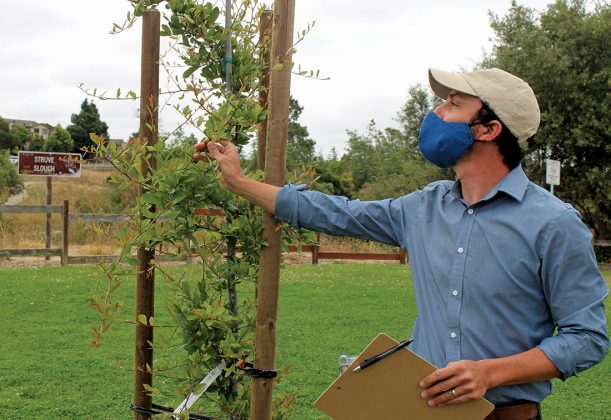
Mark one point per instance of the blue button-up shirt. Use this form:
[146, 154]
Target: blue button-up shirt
[514, 271]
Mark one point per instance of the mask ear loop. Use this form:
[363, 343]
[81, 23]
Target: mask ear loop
[480, 123]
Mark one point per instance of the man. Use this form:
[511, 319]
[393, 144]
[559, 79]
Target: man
[508, 291]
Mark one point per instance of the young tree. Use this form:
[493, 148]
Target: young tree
[59, 141]
[84, 123]
[564, 54]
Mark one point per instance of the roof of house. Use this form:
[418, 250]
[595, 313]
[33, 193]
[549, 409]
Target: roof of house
[27, 123]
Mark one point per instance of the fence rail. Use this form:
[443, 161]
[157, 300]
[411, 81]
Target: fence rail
[314, 249]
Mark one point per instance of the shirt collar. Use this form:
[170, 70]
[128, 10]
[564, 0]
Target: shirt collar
[514, 184]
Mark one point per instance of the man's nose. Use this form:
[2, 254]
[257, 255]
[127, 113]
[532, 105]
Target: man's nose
[440, 110]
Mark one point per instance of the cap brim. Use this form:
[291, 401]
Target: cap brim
[442, 82]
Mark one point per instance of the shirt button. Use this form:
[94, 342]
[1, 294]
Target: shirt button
[470, 211]
[461, 250]
[455, 293]
[453, 335]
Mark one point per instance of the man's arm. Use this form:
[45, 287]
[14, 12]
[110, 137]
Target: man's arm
[472, 379]
[232, 176]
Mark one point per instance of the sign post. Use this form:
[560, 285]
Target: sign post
[552, 173]
[49, 164]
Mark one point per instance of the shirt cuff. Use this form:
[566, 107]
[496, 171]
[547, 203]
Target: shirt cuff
[287, 209]
[560, 354]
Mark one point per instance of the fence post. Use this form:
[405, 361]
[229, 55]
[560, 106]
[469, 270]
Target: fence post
[48, 223]
[403, 256]
[65, 231]
[315, 249]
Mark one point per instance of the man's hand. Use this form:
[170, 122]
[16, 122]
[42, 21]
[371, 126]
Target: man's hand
[467, 378]
[226, 154]
[472, 379]
[232, 177]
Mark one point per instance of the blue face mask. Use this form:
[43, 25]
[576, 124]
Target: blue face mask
[443, 143]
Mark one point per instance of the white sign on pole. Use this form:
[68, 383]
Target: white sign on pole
[552, 173]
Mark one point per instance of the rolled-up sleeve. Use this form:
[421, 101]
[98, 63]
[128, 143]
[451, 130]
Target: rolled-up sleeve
[575, 290]
[381, 221]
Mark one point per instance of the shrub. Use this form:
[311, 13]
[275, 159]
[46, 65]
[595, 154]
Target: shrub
[10, 181]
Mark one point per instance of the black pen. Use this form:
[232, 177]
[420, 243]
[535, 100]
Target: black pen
[376, 359]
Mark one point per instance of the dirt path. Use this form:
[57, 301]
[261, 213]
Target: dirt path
[17, 198]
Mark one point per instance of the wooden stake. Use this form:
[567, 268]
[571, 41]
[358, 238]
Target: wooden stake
[265, 34]
[275, 164]
[145, 288]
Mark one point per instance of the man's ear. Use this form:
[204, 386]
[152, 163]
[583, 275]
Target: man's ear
[490, 130]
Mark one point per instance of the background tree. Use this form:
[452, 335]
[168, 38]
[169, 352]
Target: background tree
[84, 123]
[6, 139]
[21, 136]
[38, 143]
[59, 141]
[564, 54]
[388, 163]
[300, 147]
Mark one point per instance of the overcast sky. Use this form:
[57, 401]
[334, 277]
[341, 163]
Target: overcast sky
[372, 52]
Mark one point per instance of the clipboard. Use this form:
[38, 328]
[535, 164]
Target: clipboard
[389, 390]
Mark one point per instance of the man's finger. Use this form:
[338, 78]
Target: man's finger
[215, 150]
[201, 146]
[203, 158]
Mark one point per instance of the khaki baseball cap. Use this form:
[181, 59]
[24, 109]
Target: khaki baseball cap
[510, 97]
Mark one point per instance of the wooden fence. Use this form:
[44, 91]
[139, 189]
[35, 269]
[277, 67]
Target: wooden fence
[67, 218]
[63, 252]
[41, 252]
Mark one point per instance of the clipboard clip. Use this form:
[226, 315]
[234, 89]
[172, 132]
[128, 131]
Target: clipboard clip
[375, 359]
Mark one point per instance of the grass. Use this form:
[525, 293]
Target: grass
[48, 368]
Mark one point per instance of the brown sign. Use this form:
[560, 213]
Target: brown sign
[50, 164]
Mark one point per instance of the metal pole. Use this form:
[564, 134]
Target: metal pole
[275, 164]
[265, 34]
[231, 243]
[228, 51]
[145, 288]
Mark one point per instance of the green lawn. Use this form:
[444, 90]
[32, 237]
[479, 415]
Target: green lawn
[48, 368]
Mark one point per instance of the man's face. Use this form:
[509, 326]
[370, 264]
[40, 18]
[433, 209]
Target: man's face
[459, 107]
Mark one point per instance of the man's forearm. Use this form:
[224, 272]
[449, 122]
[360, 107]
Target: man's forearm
[529, 366]
[466, 380]
[263, 195]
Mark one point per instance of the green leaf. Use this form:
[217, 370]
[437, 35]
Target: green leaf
[189, 71]
[214, 14]
[153, 197]
[142, 319]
